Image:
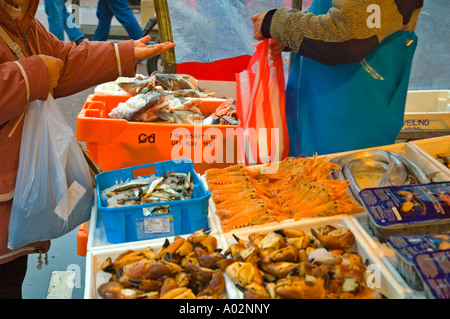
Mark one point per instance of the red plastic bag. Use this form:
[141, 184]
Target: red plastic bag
[260, 107]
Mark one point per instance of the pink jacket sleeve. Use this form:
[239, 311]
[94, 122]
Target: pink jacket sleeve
[88, 64]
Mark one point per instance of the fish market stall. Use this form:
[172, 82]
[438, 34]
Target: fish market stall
[298, 228]
[395, 277]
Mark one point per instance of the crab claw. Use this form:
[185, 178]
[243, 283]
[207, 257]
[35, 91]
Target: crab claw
[110, 289]
[244, 273]
[280, 269]
[255, 291]
[216, 285]
[199, 235]
[289, 254]
[334, 238]
[300, 289]
[206, 259]
[146, 285]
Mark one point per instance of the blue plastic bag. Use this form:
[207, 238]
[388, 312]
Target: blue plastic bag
[54, 192]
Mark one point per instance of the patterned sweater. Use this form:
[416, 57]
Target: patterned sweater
[347, 33]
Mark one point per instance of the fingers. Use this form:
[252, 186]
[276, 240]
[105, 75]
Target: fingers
[257, 20]
[275, 49]
[146, 52]
[145, 39]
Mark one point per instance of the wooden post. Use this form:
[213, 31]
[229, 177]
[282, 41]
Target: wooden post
[165, 33]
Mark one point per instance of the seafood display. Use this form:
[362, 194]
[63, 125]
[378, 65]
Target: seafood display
[290, 264]
[377, 168]
[169, 187]
[284, 263]
[170, 98]
[295, 188]
[177, 84]
[182, 269]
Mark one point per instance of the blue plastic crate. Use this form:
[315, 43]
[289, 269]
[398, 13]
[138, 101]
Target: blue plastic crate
[129, 223]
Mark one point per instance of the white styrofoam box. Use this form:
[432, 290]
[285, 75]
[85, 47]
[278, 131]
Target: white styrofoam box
[222, 89]
[391, 285]
[94, 258]
[112, 88]
[97, 234]
[427, 110]
[431, 147]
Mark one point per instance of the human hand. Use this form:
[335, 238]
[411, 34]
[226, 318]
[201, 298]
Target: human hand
[54, 66]
[275, 49]
[142, 51]
[257, 20]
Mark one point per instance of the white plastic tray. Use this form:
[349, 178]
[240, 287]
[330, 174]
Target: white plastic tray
[390, 285]
[94, 258]
[97, 235]
[430, 147]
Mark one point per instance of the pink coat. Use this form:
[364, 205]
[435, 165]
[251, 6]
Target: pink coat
[25, 80]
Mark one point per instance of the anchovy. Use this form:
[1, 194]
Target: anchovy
[153, 186]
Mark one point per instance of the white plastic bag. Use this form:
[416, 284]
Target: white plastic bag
[53, 192]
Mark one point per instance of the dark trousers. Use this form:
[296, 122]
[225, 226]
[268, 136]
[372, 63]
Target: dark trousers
[12, 275]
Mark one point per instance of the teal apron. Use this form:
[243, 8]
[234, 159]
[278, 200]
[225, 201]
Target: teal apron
[332, 109]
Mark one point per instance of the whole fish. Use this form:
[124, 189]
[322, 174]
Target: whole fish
[174, 82]
[169, 187]
[141, 107]
[415, 171]
[393, 168]
[140, 84]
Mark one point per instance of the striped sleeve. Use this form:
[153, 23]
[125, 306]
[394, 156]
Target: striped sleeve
[345, 33]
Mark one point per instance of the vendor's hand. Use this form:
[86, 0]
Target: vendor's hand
[275, 49]
[54, 66]
[142, 51]
[257, 20]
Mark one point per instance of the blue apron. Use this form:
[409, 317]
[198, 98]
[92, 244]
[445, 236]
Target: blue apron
[332, 109]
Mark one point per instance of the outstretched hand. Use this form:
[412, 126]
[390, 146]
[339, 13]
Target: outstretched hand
[257, 20]
[274, 48]
[142, 51]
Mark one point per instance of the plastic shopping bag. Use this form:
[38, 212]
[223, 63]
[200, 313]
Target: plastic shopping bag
[260, 107]
[53, 193]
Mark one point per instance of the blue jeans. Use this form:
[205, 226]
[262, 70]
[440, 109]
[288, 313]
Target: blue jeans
[106, 9]
[58, 16]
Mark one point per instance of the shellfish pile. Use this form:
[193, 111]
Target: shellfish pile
[295, 188]
[289, 264]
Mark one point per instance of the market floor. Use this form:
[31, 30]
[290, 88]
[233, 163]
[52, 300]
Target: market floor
[431, 71]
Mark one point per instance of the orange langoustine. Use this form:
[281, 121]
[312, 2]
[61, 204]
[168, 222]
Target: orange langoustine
[294, 188]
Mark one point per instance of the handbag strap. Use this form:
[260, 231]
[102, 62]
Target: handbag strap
[13, 46]
[17, 50]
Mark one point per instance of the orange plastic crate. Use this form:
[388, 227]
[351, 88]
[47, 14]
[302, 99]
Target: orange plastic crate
[117, 143]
